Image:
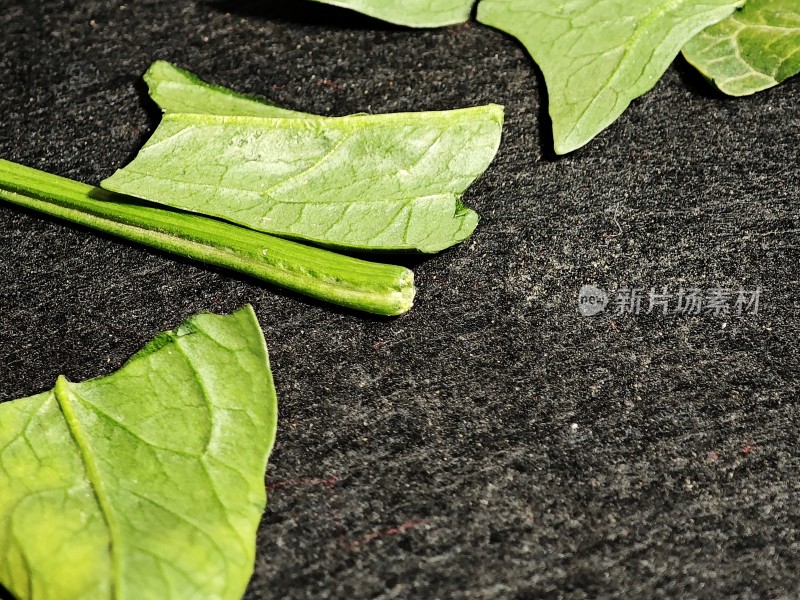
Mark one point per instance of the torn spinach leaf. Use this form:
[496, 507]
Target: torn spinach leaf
[412, 13]
[177, 90]
[146, 483]
[754, 49]
[365, 182]
[598, 55]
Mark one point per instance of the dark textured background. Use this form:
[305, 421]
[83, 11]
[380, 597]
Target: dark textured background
[492, 443]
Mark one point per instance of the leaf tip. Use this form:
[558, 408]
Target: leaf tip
[569, 143]
[163, 70]
[61, 384]
[498, 111]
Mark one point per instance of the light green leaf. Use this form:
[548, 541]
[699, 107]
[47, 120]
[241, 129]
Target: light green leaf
[412, 13]
[598, 55]
[147, 484]
[368, 182]
[754, 49]
[178, 90]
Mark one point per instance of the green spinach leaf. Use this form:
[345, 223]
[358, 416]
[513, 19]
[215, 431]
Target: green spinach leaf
[598, 55]
[366, 182]
[752, 50]
[146, 483]
[412, 13]
[177, 90]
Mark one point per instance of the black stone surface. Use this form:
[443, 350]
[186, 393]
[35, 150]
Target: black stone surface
[493, 443]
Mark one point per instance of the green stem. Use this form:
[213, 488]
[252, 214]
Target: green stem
[371, 287]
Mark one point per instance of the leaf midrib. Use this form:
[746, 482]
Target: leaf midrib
[228, 188]
[61, 392]
[639, 31]
[400, 200]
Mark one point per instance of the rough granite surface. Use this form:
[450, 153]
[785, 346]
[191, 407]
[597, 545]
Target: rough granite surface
[494, 442]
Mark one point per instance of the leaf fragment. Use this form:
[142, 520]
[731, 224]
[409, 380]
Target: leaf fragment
[147, 483]
[411, 13]
[756, 48]
[366, 182]
[598, 55]
[177, 90]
